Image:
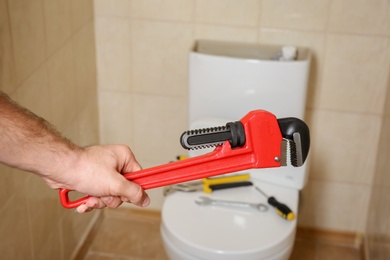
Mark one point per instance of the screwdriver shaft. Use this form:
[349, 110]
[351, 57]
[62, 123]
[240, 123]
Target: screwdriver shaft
[262, 192]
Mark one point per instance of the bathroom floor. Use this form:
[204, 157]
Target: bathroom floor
[128, 234]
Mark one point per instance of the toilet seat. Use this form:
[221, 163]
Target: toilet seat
[213, 232]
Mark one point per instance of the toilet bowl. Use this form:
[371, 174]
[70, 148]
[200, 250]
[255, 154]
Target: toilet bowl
[192, 231]
[226, 81]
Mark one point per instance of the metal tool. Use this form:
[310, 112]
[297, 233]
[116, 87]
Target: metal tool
[205, 201]
[258, 140]
[208, 185]
[192, 187]
[282, 209]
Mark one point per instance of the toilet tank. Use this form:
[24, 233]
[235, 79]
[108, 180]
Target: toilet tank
[227, 80]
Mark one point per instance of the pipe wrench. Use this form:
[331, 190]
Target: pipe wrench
[258, 140]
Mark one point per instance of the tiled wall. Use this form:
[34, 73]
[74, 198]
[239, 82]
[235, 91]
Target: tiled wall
[47, 54]
[142, 49]
[378, 226]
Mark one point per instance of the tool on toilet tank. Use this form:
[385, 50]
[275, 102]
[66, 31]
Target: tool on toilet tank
[282, 209]
[208, 185]
[258, 140]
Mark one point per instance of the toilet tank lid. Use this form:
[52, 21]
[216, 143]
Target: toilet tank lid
[253, 51]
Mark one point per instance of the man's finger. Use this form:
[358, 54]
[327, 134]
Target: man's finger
[112, 201]
[133, 192]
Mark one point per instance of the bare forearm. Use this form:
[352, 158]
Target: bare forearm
[29, 142]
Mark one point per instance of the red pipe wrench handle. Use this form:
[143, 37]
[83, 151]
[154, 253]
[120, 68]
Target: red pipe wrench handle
[262, 149]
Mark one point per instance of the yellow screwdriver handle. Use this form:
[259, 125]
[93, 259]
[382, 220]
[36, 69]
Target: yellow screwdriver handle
[282, 209]
[207, 182]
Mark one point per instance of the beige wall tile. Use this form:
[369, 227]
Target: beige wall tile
[51, 247]
[367, 17]
[225, 33]
[28, 36]
[84, 52]
[117, 8]
[62, 87]
[83, 44]
[115, 117]
[355, 73]
[296, 14]
[334, 206]
[113, 53]
[72, 131]
[378, 228]
[382, 176]
[343, 146]
[7, 66]
[43, 206]
[159, 121]
[239, 13]
[312, 40]
[383, 211]
[8, 185]
[170, 10]
[387, 103]
[160, 56]
[34, 93]
[58, 23]
[88, 121]
[373, 217]
[73, 228]
[15, 229]
[82, 13]
[378, 251]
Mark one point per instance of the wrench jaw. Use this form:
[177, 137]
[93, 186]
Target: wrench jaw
[284, 144]
[297, 135]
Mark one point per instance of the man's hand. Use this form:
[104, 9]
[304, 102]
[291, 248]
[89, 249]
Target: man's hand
[96, 171]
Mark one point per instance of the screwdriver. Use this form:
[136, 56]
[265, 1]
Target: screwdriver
[282, 209]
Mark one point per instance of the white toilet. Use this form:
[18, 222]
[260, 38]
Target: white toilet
[226, 81]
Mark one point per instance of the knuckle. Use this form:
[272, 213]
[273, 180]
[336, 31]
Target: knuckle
[107, 200]
[112, 202]
[126, 189]
[95, 203]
